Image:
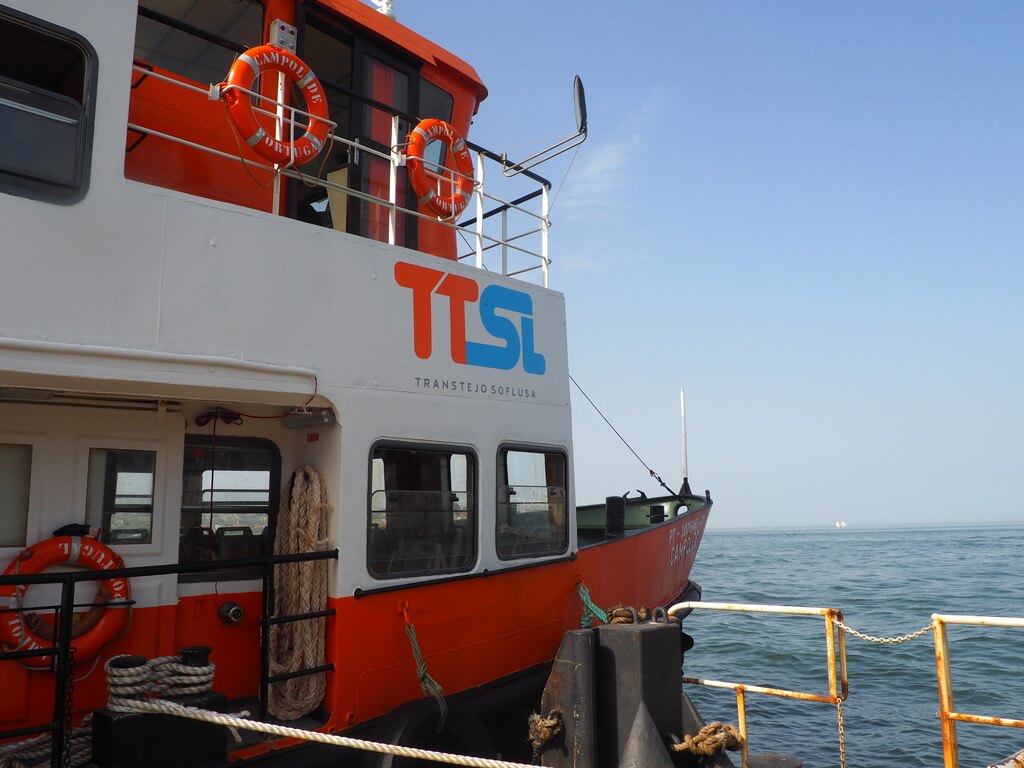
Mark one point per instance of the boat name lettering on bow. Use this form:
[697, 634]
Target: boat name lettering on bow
[682, 542]
[461, 291]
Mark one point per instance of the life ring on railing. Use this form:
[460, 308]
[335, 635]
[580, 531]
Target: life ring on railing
[243, 73]
[101, 624]
[446, 206]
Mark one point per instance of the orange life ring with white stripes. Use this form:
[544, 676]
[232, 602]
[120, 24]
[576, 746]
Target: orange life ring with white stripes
[243, 73]
[18, 631]
[446, 206]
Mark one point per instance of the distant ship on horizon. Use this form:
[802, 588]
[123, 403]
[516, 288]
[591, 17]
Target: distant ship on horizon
[840, 523]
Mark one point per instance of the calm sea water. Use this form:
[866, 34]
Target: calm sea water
[887, 582]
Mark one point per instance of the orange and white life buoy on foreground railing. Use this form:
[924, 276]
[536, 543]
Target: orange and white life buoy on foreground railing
[425, 187]
[103, 623]
[241, 76]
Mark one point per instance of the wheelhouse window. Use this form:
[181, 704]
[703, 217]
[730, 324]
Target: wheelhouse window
[435, 102]
[422, 511]
[47, 89]
[119, 495]
[15, 476]
[531, 511]
[197, 40]
[230, 488]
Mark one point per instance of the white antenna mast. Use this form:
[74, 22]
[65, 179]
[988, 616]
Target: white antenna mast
[682, 416]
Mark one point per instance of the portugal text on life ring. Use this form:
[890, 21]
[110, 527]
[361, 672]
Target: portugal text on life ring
[425, 187]
[20, 631]
[245, 70]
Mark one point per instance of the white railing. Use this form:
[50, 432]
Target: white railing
[510, 237]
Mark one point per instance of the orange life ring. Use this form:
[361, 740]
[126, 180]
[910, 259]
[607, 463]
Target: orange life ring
[447, 206]
[20, 633]
[243, 73]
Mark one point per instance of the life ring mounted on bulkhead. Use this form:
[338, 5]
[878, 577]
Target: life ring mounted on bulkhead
[243, 73]
[103, 623]
[425, 187]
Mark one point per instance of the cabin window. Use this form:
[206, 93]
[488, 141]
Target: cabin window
[230, 489]
[329, 55]
[435, 102]
[119, 495]
[47, 90]
[422, 511]
[15, 476]
[531, 512]
[389, 86]
[197, 40]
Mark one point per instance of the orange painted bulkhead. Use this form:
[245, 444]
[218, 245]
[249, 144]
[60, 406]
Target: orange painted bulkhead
[471, 630]
[190, 115]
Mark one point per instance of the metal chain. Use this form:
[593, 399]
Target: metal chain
[842, 734]
[886, 640]
[69, 703]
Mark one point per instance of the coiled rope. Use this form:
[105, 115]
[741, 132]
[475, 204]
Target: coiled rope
[711, 739]
[301, 588]
[131, 679]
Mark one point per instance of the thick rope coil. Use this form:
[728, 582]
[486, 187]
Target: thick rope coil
[301, 588]
[164, 675]
[711, 739]
[543, 730]
[30, 752]
[170, 708]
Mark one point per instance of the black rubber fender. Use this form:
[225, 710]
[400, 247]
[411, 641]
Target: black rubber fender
[415, 725]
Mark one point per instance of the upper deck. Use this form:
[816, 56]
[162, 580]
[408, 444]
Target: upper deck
[153, 246]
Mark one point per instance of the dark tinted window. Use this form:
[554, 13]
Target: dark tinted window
[198, 40]
[47, 82]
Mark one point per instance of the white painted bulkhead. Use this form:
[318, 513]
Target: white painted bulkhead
[143, 292]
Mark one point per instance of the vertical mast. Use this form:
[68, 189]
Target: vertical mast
[682, 416]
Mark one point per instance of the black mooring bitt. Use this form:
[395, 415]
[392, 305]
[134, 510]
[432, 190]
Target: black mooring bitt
[570, 691]
[645, 747]
[636, 664]
[619, 691]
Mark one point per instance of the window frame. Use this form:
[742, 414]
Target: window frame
[23, 441]
[473, 535]
[43, 189]
[501, 474]
[273, 500]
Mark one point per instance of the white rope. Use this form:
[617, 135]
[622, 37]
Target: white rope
[301, 588]
[170, 708]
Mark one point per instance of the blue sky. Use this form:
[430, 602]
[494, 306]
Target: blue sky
[810, 215]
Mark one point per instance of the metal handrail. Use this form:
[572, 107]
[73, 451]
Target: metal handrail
[61, 649]
[472, 228]
[947, 714]
[835, 649]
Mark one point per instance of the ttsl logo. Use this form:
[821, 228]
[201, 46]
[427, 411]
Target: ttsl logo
[517, 341]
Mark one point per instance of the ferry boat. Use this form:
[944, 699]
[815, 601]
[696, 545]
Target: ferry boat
[281, 377]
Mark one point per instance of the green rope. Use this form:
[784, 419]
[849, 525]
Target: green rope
[590, 609]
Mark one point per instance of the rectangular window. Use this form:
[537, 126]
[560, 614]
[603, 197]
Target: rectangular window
[197, 40]
[422, 512]
[531, 504]
[15, 476]
[46, 106]
[119, 495]
[435, 102]
[230, 488]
